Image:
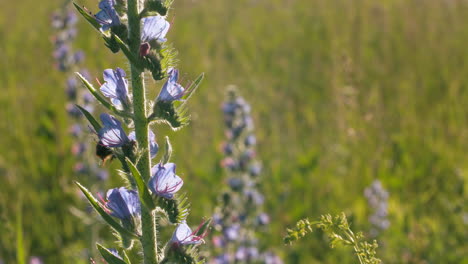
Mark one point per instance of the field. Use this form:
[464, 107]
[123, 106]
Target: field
[343, 92]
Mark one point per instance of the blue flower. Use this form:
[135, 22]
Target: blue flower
[115, 86]
[183, 235]
[154, 28]
[152, 141]
[165, 182]
[171, 90]
[112, 134]
[123, 204]
[107, 17]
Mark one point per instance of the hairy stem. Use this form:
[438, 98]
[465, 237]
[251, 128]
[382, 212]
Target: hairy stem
[149, 236]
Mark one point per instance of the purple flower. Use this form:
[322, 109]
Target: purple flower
[232, 232]
[250, 140]
[88, 98]
[263, 219]
[35, 260]
[253, 196]
[222, 259]
[171, 90]
[183, 235]
[152, 141]
[165, 182]
[115, 86]
[78, 148]
[255, 169]
[80, 168]
[107, 17]
[229, 108]
[112, 134]
[271, 258]
[123, 204]
[244, 253]
[235, 183]
[75, 130]
[154, 28]
[78, 56]
[102, 175]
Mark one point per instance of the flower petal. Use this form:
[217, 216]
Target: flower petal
[154, 28]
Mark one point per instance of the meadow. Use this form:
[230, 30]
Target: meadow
[343, 92]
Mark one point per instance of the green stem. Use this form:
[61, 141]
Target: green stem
[149, 238]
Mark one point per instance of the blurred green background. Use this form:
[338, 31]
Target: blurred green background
[343, 92]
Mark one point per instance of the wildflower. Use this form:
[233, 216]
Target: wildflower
[183, 235]
[122, 203]
[78, 148]
[250, 140]
[75, 130]
[71, 88]
[112, 134]
[229, 108]
[102, 175]
[108, 16]
[152, 141]
[35, 260]
[88, 98]
[263, 219]
[154, 28]
[115, 86]
[222, 259]
[247, 253]
[377, 198]
[271, 258]
[165, 182]
[232, 232]
[80, 168]
[236, 184]
[171, 90]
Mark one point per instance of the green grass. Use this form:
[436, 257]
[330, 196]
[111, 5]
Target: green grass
[343, 92]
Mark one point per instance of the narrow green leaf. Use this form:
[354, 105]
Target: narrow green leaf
[167, 151]
[108, 256]
[90, 118]
[97, 206]
[203, 228]
[88, 16]
[145, 195]
[193, 87]
[94, 92]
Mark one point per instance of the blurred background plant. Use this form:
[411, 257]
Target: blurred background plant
[344, 92]
[87, 169]
[239, 218]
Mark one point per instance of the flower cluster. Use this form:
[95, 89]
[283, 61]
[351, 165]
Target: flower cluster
[152, 189]
[64, 23]
[377, 198]
[240, 213]
[68, 60]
